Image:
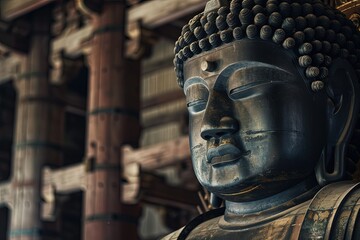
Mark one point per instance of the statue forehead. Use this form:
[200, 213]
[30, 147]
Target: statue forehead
[229, 58]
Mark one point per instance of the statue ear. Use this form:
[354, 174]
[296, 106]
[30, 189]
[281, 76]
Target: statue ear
[342, 90]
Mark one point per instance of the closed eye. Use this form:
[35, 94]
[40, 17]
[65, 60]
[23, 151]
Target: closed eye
[243, 82]
[197, 106]
[246, 90]
[196, 97]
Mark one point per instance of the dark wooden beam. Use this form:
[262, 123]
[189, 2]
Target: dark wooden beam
[11, 9]
[134, 2]
[164, 118]
[168, 31]
[65, 180]
[78, 102]
[90, 6]
[152, 15]
[156, 191]
[14, 42]
[162, 99]
[156, 65]
[72, 178]
[75, 101]
[153, 188]
[156, 13]
[159, 155]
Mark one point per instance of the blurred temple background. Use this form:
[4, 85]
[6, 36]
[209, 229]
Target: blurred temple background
[93, 126]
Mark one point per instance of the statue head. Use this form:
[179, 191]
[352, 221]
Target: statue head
[272, 93]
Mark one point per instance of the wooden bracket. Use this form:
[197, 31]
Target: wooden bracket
[65, 67]
[155, 190]
[9, 66]
[159, 155]
[15, 35]
[140, 41]
[89, 7]
[58, 183]
[5, 194]
[131, 183]
[15, 42]
[10, 9]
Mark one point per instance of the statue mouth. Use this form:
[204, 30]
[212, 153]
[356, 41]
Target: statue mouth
[223, 154]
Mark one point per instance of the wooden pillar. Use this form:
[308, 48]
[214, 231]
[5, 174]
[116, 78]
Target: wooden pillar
[113, 120]
[37, 137]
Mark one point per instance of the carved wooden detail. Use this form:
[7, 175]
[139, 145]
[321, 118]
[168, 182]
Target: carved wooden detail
[15, 35]
[6, 198]
[137, 185]
[11, 9]
[351, 9]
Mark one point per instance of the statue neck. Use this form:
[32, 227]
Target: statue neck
[245, 214]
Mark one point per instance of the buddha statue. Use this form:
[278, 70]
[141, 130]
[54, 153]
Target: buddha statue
[273, 98]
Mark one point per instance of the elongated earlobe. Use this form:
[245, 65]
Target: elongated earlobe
[323, 176]
[343, 97]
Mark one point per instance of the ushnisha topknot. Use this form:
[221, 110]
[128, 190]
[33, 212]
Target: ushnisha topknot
[314, 31]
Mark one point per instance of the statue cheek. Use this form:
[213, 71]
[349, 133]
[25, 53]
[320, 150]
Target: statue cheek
[195, 120]
[198, 154]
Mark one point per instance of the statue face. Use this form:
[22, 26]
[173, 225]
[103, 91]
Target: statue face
[256, 128]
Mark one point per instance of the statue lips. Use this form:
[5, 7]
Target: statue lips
[226, 153]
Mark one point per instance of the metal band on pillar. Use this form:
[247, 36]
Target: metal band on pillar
[37, 141]
[113, 119]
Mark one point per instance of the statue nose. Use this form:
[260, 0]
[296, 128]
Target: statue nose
[226, 125]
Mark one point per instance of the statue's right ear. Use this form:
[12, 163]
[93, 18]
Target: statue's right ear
[342, 89]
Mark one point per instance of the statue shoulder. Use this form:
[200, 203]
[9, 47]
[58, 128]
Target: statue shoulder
[204, 223]
[173, 235]
[333, 212]
[202, 231]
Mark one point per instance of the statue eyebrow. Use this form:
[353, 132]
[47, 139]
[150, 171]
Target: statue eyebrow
[229, 70]
[194, 80]
[260, 70]
[256, 67]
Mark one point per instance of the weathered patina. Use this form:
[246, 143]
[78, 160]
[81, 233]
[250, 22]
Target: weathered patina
[273, 97]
